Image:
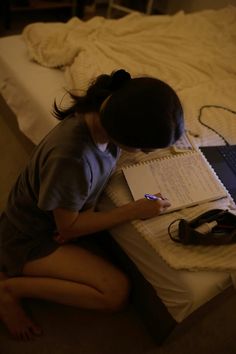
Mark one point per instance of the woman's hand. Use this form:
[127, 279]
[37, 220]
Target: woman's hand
[64, 220]
[145, 208]
[60, 239]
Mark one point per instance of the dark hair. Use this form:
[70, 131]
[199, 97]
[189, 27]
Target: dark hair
[98, 91]
[142, 112]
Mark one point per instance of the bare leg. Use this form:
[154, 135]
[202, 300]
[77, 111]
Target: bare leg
[12, 314]
[72, 276]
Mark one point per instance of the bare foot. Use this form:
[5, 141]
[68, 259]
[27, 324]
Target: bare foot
[14, 317]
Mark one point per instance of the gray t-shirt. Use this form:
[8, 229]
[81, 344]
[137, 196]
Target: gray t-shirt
[66, 170]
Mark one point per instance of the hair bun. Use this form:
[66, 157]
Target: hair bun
[118, 79]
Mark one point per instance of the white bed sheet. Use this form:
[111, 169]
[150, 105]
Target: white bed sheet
[29, 90]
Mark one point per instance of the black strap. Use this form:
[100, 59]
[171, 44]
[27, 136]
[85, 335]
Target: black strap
[169, 231]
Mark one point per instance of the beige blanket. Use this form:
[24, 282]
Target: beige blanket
[195, 53]
[184, 49]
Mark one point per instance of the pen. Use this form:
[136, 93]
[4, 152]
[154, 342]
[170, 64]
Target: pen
[152, 197]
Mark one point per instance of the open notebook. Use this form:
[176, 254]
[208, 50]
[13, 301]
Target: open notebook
[186, 179]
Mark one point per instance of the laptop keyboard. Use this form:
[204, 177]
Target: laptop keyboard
[229, 154]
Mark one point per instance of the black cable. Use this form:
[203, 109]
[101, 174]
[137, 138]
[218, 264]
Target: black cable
[207, 126]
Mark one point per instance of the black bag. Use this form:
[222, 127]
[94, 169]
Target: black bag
[214, 227]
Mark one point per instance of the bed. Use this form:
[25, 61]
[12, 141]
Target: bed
[196, 54]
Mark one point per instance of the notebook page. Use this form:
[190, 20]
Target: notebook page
[185, 180]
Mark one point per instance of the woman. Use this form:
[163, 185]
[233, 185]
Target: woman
[52, 204]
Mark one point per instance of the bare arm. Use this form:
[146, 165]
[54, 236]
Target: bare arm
[74, 224]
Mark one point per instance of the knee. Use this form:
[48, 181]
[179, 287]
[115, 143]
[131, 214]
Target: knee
[117, 296]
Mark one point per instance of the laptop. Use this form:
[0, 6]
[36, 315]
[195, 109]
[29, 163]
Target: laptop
[223, 161]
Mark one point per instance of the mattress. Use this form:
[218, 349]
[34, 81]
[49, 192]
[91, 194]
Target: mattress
[30, 89]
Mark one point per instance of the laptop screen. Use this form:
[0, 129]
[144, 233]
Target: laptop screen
[223, 167]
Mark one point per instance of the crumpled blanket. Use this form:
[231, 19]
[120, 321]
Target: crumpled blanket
[184, 50]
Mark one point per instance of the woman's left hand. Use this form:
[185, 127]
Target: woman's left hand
[59, 239]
